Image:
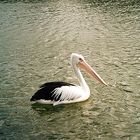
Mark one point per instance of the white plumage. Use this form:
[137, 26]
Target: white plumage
[70, 93]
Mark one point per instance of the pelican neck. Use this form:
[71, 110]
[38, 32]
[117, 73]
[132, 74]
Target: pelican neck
[80, 78]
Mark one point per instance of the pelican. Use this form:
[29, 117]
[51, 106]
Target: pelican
[63, 93]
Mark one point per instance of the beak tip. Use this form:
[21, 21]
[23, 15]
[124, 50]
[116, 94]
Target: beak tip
[104, 83]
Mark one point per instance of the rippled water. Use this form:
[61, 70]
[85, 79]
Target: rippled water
[36, 39]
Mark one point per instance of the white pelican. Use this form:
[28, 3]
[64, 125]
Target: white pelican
[61, 92]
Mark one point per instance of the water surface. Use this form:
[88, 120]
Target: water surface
[36, 40]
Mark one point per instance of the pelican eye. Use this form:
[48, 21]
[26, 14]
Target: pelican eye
[80, 59]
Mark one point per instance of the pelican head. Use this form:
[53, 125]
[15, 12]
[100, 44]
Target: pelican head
[76, 58]
[78, 61]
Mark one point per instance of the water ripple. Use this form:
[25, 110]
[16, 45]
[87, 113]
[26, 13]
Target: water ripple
[36, 40]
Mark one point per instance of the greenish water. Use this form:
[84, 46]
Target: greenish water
[36, 39]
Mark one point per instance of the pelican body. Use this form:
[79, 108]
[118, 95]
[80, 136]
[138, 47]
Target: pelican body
[63, 93]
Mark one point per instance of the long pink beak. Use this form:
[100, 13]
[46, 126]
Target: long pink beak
[82, 64]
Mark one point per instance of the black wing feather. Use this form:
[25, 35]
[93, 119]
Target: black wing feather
[46, 91]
